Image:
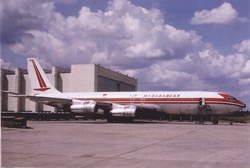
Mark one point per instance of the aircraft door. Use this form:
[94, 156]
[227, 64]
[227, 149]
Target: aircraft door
[202, 101]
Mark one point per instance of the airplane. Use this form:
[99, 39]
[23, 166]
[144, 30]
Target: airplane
[127, 104]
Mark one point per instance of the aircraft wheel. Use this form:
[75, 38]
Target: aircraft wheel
[110, 119]
[215, 121]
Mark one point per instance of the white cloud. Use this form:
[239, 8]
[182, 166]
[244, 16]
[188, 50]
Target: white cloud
[244, 82]
[6, 65]
[246, 67]
[224, 14]
[243, 47]
[21, 16]
[244, 78]
[124, 33]
[204, 70]
[161, 76]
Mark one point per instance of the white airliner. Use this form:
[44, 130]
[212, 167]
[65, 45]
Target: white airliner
[127, 104]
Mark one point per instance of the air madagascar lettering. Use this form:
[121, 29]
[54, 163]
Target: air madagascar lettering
[161, 95]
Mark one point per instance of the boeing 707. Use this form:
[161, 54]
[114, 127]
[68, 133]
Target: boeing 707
[127, 104]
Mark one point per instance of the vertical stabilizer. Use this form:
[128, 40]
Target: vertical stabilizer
[39, 81]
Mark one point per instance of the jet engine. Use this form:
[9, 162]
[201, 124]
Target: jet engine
[79, 106]
[123, 111]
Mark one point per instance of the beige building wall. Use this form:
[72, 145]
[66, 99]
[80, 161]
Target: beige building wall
[12, 101]
[4, 85]
[81, 78]
[29, 105]
[109, 80]
[64, 82]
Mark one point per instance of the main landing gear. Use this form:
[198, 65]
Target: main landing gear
[215, 121]
[203, 109]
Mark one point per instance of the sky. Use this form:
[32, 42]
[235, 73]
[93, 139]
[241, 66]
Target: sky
[166, 44]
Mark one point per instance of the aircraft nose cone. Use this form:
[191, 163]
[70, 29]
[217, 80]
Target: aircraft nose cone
[244, 106]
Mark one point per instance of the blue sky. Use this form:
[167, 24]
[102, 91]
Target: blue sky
[166, 44]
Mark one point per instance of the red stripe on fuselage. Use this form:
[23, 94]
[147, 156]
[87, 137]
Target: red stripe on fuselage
[209, 101]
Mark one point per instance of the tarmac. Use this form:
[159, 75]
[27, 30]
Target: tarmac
[96, 144]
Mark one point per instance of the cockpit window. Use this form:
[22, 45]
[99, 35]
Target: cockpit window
[232, 98]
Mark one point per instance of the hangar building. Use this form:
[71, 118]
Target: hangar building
[80, 78]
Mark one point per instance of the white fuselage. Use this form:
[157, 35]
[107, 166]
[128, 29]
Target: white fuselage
[178, 102]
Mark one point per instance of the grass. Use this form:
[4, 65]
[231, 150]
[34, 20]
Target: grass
[240, 119]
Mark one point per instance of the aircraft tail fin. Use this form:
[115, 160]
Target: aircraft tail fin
[40, 83]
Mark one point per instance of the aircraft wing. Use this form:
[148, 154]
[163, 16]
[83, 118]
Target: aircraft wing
[81, 106]
[52, 101]
[73, 105]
